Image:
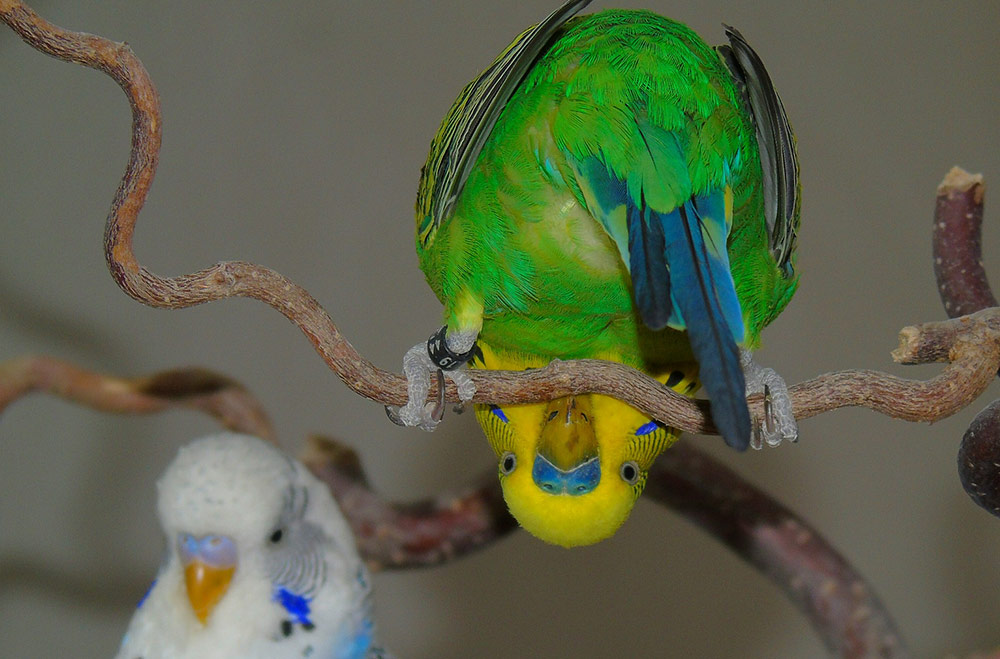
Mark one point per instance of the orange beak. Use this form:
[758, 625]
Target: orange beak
[205, 586]
[209, 565]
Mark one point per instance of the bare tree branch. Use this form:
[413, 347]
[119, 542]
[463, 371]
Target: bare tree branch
[842, 606]
[188, 388]
[436, 530]
[964, 289]
[906, 399]
[422, 533]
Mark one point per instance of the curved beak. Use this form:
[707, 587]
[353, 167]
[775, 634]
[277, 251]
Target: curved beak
[209, 564]
[567, 459]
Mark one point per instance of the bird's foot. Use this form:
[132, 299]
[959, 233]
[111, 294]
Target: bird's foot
[442, 351]
[778, 424]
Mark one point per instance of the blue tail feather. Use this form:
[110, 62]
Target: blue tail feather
[648, 265]
[690, 287]
[706, 298]
[681, 279]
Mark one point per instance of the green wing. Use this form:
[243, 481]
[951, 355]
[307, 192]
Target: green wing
[467, 125]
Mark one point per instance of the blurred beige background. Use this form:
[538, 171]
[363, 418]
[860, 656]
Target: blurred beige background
[294, 136]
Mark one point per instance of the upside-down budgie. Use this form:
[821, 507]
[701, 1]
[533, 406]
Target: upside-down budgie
[610, 187]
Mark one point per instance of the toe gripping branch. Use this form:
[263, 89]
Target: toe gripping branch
[443, 356]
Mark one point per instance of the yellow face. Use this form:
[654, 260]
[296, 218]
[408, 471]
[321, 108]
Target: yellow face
[573, 504]
[571, 469]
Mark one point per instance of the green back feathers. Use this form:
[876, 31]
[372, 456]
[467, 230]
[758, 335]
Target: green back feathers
[622, 70]
[616, 84]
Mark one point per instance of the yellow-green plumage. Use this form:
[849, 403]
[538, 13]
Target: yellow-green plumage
[534, 254]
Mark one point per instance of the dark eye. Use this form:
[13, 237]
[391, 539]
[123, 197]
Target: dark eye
[552, 414]
[630, 472]
[508, 463]
[276, 536]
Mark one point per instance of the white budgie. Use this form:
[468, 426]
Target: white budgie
[260, 562]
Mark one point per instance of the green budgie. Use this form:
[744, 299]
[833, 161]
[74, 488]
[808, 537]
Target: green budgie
[610, 187]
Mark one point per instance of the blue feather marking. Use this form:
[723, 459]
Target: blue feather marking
[711, 213]
[606, 197]
[646, 428]
[498, 413]
[357, 645]
[146, 595]
[704, 294]
[296, 605]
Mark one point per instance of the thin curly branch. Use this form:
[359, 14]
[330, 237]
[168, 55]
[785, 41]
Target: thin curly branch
[906, 399]
[187, 388]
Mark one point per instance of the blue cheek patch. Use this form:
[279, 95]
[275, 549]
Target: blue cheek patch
[648, 428]
[296, 605]
[498, 413]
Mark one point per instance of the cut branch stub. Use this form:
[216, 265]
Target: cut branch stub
[957, 241]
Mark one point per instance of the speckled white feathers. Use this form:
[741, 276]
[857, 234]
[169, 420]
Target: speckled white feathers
[299, 588]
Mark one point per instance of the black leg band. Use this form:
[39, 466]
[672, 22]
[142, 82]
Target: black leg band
[443, 358]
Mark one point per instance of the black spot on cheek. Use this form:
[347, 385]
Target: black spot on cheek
[675, 378]
[308, 626]
[286, 628]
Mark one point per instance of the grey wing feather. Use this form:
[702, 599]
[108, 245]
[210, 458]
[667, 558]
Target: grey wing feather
[778, 158]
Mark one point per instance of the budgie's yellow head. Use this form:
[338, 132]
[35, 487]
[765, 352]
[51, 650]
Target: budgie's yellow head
[571, 469]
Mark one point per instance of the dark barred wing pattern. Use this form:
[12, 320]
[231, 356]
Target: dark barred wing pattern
[297, 561]
[463, 133]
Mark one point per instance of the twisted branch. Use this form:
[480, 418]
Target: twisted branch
[197, 389]
[962, 283]
[912, 400]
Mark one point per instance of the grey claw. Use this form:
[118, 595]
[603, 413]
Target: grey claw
[437, 411]
[392, 412]
[756, 438]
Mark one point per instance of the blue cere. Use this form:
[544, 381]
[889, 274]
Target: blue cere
[578, 481]
[498, 413]
[296, 605]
